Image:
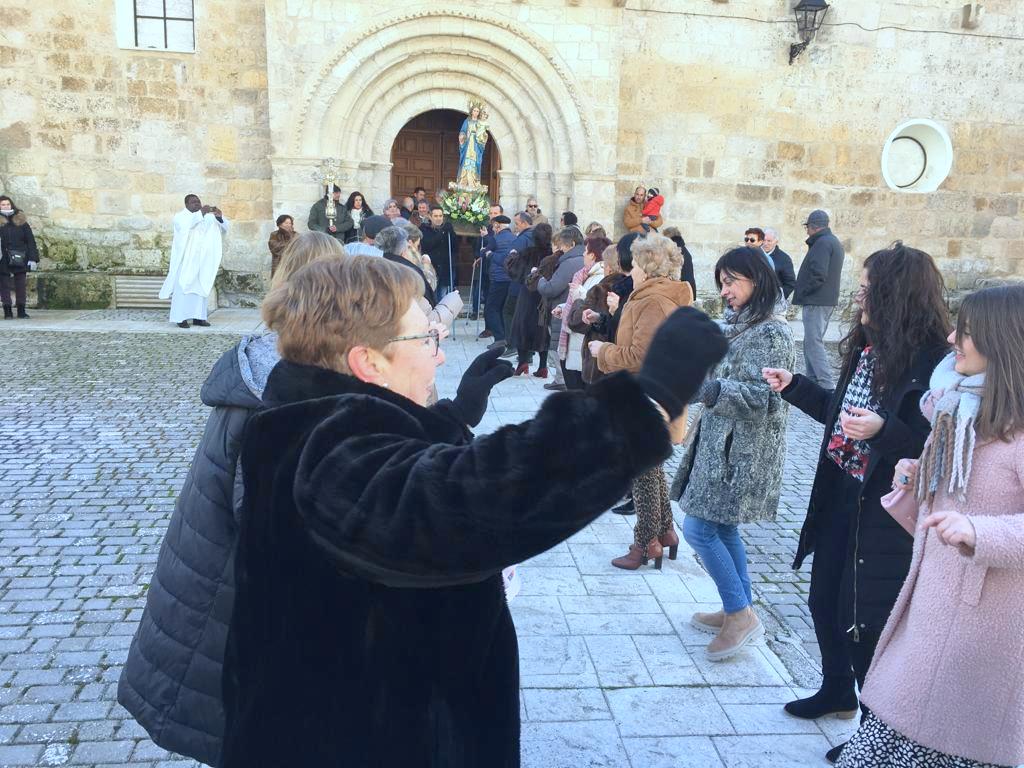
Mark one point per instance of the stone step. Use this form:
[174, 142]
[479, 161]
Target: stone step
[139, 292]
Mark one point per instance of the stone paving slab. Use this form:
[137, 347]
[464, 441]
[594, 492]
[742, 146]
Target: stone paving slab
[106, 414]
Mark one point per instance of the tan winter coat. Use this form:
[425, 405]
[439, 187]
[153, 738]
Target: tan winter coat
[655, 299]
[633, 214]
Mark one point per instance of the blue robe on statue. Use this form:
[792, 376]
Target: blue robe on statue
[471, 153]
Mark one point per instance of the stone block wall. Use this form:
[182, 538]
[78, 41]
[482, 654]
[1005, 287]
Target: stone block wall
[588, 98]
[712, 113]
[100, 144]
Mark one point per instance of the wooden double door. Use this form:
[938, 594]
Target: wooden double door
[426, 154]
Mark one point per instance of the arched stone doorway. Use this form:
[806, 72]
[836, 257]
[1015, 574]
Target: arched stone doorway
[378, 76]
[425, 154]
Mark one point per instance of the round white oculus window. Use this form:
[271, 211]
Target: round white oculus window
[917, 157]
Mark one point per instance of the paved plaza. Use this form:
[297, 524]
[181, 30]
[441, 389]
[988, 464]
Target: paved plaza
[101, 415]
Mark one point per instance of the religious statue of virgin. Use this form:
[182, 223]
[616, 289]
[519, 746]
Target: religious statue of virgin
[472, 140]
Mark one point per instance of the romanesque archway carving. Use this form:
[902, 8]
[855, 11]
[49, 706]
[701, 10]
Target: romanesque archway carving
[367, 89]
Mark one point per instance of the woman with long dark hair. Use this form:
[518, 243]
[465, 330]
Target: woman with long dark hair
[872, 419]
[528, 334]
[732, 471]
[944, 690]
[359, 211]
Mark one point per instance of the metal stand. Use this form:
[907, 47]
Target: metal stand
[476, 283]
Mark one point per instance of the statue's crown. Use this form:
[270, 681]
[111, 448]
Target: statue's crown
[476, 104]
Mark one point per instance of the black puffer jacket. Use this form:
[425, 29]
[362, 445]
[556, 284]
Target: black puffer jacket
[16, 235]
[171, 683]
[879, 550]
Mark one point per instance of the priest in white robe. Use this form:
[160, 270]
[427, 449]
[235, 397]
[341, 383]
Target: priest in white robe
[196, 252]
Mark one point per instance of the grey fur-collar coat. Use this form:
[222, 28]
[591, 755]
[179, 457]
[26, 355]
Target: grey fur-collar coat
[732, 469]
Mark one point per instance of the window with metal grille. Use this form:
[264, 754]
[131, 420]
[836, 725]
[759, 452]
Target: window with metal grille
[165, 24]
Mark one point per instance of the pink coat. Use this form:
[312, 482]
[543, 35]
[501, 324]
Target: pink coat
[948, 672]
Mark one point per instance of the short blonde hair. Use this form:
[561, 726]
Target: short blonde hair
[301, 250]
[330, 306]
[657, 256]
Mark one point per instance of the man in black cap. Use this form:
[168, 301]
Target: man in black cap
[817, 291]
[338, 226]
[502, 243]
[371, 228]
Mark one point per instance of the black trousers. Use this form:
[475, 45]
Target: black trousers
[17, 281]
[841, 654]
[573, 379]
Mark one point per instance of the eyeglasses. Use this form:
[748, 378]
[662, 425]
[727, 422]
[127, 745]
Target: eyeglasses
[532, 205]
[749, 239]
[433, 334]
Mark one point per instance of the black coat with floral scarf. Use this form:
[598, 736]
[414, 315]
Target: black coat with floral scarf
[370, 626]
[878, 549]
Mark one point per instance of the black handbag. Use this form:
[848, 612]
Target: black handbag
[17, 259]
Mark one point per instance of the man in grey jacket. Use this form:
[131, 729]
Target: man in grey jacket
[556, 290]
[817, 291]
[337, 227]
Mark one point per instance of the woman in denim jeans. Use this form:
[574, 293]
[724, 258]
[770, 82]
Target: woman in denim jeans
[732, 470]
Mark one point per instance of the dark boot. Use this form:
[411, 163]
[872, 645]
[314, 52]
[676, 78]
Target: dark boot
[8, 313]
[626, 508]
[835, 697]
[22, 314]
[833, 754]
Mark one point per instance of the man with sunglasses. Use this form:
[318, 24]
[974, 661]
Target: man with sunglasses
[533, 208]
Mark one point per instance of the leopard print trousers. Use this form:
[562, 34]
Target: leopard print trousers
[653, 511]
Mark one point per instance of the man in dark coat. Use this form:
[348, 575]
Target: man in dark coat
[171, 682]
[817, 291]
[500, 282]
[319, 222]
[440, 245]
[780, 260]
[483, 283]
[370, 624]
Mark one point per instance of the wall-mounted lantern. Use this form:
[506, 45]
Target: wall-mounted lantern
[810, 14]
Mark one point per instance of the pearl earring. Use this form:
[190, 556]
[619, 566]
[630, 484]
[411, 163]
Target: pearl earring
[386, 385]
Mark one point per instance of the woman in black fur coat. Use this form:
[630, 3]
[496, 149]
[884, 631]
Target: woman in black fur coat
[370, 625]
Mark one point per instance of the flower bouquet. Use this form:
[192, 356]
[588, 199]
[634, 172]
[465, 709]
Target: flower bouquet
[469, 205]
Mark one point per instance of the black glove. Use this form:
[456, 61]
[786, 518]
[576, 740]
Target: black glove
[478, 380]
[685, 347]
[709, 392]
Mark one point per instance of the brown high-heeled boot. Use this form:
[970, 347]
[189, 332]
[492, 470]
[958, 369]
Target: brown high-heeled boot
[541, 373]
[670, 539]
[637, 557]
[522, 370]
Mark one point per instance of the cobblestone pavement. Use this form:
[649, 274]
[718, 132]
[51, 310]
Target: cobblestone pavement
[102, 427]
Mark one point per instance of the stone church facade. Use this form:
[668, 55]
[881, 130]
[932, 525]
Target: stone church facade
[103, 130]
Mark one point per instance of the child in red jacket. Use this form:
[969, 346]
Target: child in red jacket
[652, 208]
